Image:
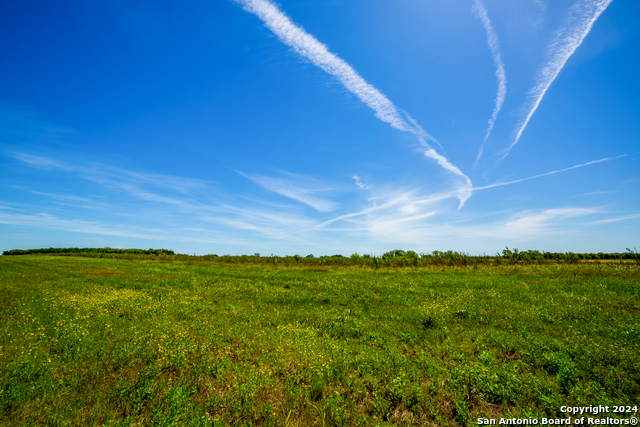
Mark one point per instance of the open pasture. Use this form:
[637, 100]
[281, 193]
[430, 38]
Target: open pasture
[88, 341]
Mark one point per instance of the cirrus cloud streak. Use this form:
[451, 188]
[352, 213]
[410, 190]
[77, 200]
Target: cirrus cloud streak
[492, 40]
[580, 19]
[307, 46]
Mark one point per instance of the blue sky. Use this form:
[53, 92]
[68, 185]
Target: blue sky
[320, 127]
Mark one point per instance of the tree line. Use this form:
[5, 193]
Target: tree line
[395, 258]
[76, 251]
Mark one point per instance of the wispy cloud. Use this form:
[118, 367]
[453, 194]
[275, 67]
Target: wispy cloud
[395, 205]
[620, 218]
[177, 198]
[578, 23]
[500, 184]
[116, 178]
[307, 46]
[532, 224]
[42, 162]
[53, 222]
[171, 214]
[288, 226]
[297, 190]
[595, 193]
[520, 227]
[68, 199]
[434, 229]
[48, 221]
[494, 46]
[361, 185]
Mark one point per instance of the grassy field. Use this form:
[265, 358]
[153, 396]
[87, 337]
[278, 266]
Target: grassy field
[87, 341]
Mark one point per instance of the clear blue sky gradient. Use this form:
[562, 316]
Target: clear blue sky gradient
[196, 126]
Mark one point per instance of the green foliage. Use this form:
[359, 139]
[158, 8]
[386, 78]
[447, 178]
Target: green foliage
[633, 254]
[317, 388]
[391, 259]
[246, 341]
[87, 251]
[567, 378]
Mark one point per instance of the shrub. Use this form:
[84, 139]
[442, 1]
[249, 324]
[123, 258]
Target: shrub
[634, 254]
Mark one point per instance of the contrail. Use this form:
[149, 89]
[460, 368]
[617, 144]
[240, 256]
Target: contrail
[309, 47]
[580, 18]
[593, 162]
[492, 40]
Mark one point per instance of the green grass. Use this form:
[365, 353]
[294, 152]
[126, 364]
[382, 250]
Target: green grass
[121, 342]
